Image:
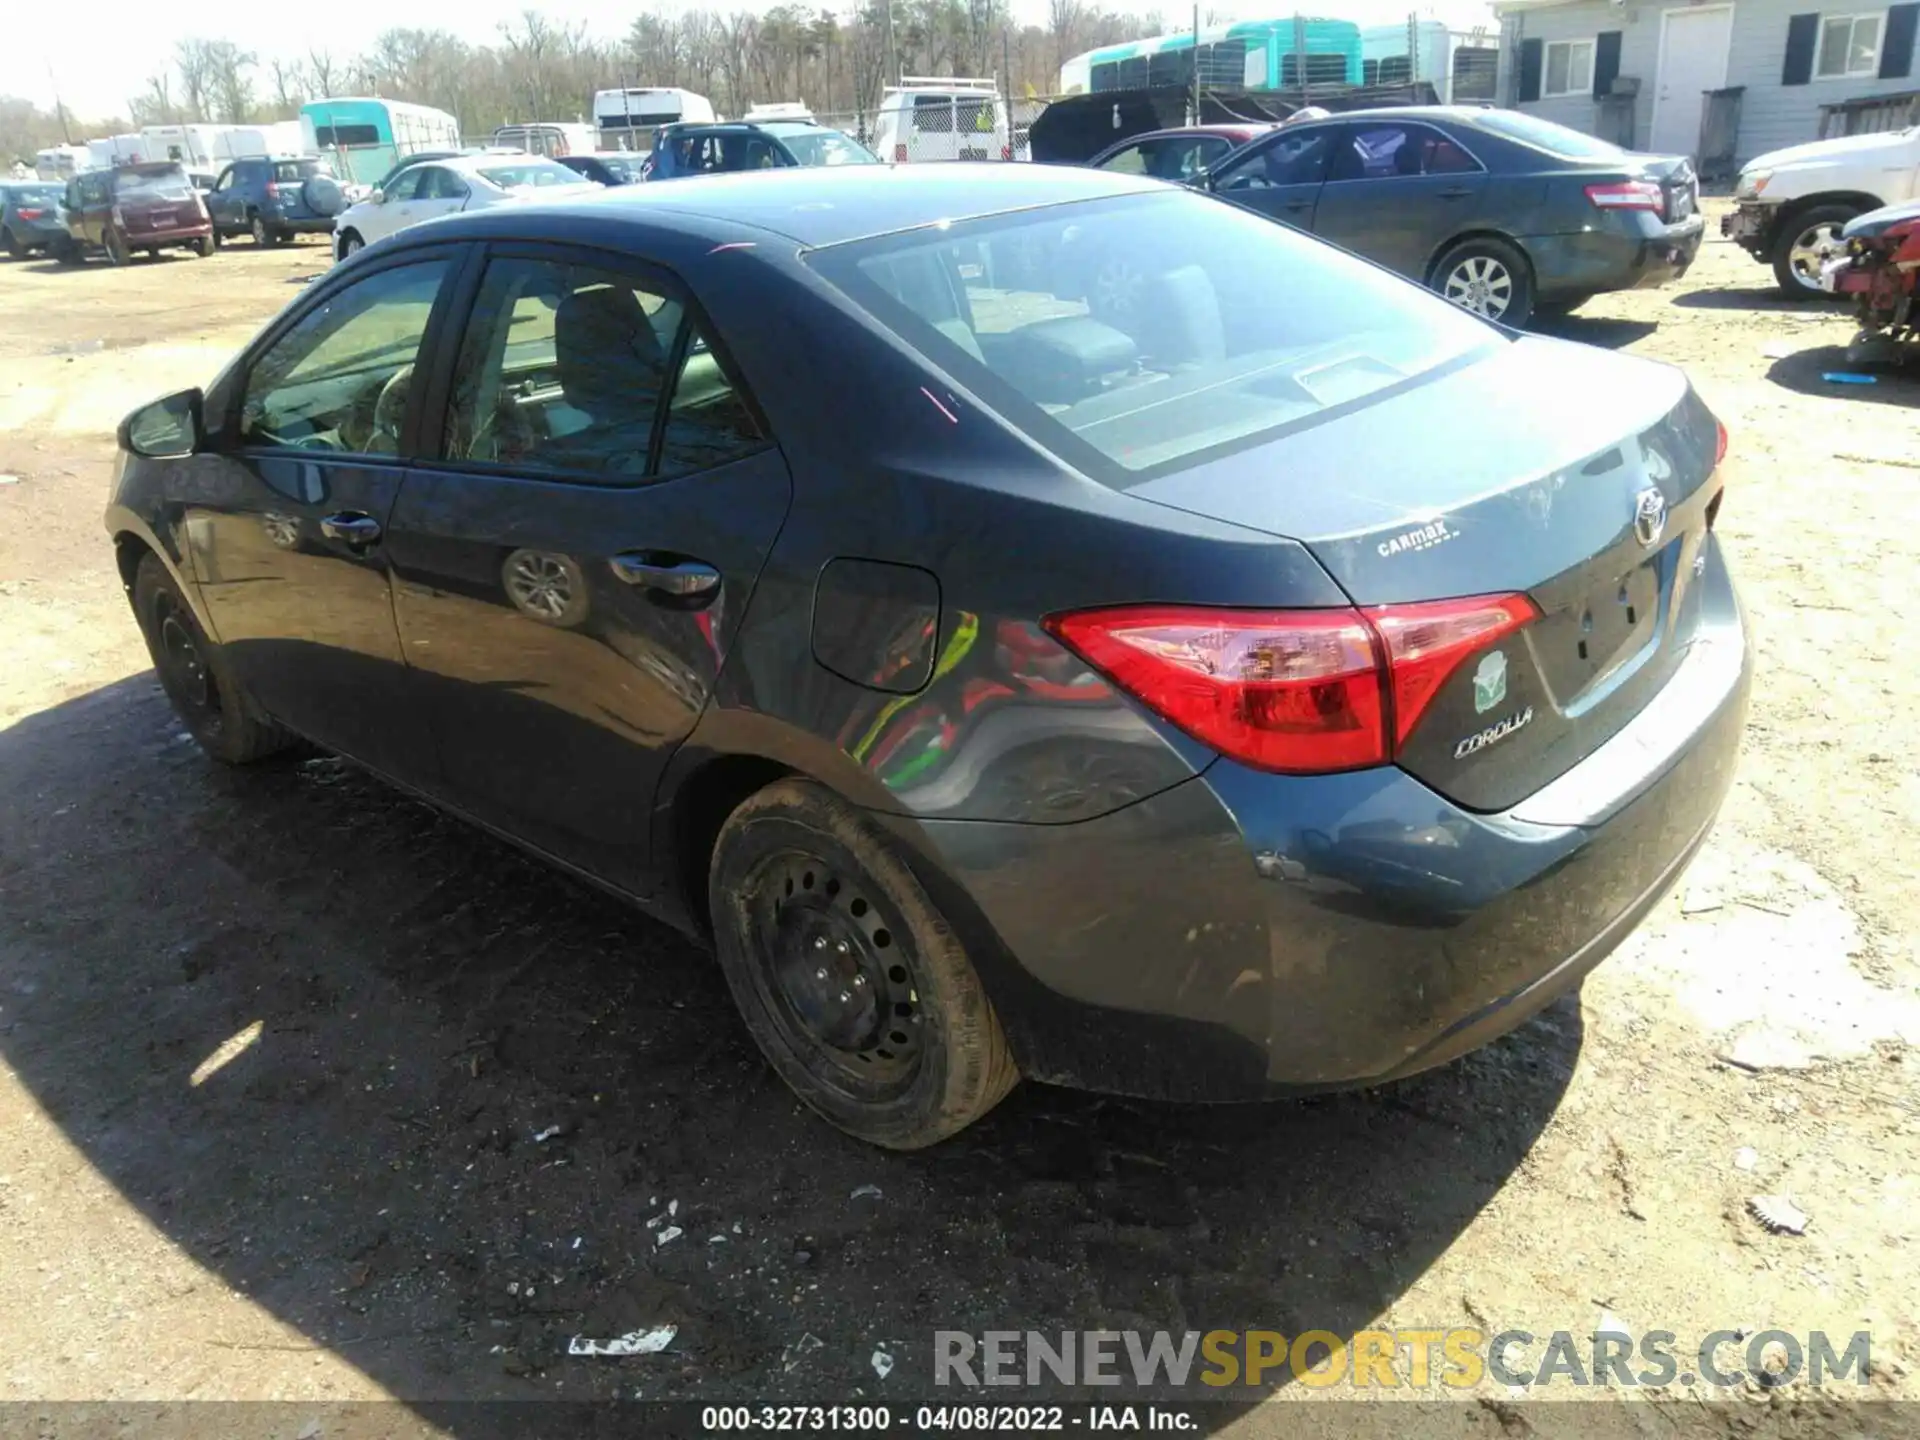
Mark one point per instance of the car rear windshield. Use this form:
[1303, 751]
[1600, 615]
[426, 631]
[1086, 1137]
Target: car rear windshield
[1547, 136]
[286, 170]
[1147, 333]
[528, 173]
[164, 185]
[817, 145]
[35, 195]
[622, 168]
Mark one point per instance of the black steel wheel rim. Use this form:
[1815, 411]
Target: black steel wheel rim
[183, 665]
[838, 980]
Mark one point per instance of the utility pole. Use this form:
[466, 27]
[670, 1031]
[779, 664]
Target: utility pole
[1300, 59]
[59, 109]
[1196, 62]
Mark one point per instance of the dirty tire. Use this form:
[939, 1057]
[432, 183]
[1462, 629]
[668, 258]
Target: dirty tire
[11, 247]
[195, 675]
[66, 252]
[257, 228]
[856, 885]
[203, 247]
[1490, 272]
[1822, 224]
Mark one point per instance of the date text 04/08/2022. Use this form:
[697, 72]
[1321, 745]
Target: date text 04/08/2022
[940, 1419]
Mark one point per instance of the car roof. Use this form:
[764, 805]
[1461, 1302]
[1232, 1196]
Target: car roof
[812, 205]
[1231, 129]
[1458, 114]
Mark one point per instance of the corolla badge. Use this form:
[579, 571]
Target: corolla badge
[1493, 734]
[1649, 517]
[1490, 682]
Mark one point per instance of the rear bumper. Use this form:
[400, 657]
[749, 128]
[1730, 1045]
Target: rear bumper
[150, 239]
[1244, 935]
[302, 224]
[1641, 251]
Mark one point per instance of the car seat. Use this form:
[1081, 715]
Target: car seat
[611, 369]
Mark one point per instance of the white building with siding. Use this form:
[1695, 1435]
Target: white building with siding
[1639, 71]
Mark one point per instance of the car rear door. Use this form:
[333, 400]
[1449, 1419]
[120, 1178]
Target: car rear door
[288, 511]
[571, 568]
[1397, 191]
[1282, 178]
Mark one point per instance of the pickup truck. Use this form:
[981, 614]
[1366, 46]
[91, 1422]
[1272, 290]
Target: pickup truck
[1792, 204]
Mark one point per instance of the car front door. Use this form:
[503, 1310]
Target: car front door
[1282, 178]
[415, 198]
[571, 569]
[95, 210]
[1397, 191]
[288, 516]
[220, 202]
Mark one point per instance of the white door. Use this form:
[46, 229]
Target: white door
[1693, 59]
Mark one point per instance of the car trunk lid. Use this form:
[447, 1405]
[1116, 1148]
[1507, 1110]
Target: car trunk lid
[1586, 488]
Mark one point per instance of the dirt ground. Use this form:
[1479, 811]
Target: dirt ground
[361, 1205]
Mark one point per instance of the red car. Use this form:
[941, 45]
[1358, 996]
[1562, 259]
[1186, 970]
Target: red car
[150, 207]
[1177, 155]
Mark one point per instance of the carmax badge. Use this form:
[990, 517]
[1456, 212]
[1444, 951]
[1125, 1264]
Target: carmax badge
[1493, 734]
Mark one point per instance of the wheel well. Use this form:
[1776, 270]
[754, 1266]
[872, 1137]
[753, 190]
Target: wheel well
[701, 806]
[128, 552]
[1857, 198]
[1433, 265]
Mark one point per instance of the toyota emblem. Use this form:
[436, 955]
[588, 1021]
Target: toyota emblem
[1650, 517]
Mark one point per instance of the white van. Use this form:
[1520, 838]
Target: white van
[548, 138]
[626, 119]
[932, 117]
[778, 110]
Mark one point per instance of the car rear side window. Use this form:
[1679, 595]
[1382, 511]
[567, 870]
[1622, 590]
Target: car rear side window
[1390, 151]
[339, 380]
[563, 369]
[1142, 334]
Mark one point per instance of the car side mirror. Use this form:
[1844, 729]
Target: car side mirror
[168, 428]
[376, 196]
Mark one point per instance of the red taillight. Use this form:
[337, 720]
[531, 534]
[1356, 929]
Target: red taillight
[1425, 644]
[31, 212]
[900, 154]
[1284, 690]
[1719, 444]
[1629, 195]
[1296, 691]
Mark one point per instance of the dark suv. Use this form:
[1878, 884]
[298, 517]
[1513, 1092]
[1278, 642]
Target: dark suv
[275, 199]
[715, 149]
[150, 207]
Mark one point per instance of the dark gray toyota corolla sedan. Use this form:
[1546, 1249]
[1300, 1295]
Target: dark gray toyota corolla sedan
[1291, 688]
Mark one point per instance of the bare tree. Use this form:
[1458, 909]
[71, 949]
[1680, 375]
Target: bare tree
[230, 80]
[321, 66]
[289, 85]
[196, 76]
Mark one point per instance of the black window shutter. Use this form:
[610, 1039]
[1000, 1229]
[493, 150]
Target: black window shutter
[1896, 48]
[1606, 61]
[1533, 56]
[1803, 33]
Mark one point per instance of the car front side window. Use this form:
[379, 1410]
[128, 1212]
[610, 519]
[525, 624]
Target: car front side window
[340, 378]
[1296, 159]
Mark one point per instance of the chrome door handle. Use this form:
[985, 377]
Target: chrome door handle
[683, 579]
